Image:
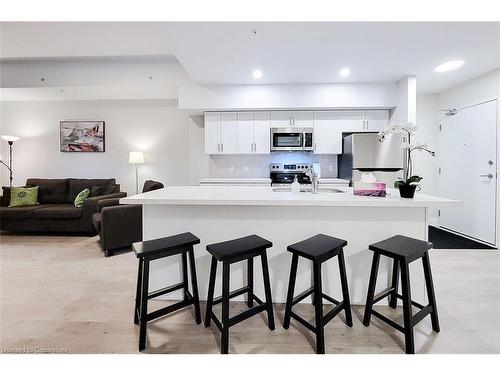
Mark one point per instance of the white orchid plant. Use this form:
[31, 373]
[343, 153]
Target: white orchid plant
[406, 130]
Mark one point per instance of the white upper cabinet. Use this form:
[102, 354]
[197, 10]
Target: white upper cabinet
[249, 132]
[327, 133]
[376, 119]
[352, 121]
[237, 133]
[262, 132]
[364, 121]
[288, 119]
[302, 119]
[212, 132]
[281, 119]
[228, 132]
[245, 132]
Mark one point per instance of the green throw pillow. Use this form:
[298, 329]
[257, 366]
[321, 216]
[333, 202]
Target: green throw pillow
[81, 196]
[21, 196]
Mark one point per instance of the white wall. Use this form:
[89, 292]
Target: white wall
[406, 100]
[427, 133]
[225, 97]
[158, 130]
[475, 91]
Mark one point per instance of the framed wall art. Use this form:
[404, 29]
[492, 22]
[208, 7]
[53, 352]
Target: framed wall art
[82, 136]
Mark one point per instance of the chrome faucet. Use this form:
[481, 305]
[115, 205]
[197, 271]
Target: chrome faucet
[314, 179]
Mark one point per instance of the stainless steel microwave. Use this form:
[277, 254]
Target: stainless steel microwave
[291, 139]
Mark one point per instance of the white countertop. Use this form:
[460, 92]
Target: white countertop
[236, 180]
[265, 196]
[263, 180]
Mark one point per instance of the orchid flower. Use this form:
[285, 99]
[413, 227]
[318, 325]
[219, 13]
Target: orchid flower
[406, 130]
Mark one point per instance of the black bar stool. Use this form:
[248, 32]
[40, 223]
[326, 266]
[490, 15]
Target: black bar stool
[228, 252]
[319, 249]
[147, 251]
[403, 250]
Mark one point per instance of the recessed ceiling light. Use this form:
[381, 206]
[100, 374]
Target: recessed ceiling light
[257, 74]
[450, 65]
[344, 72]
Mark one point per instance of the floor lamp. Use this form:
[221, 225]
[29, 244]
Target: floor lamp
[10, 139]
[136, 158]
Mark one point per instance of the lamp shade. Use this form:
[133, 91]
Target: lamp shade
[136, 157]
[10, 138]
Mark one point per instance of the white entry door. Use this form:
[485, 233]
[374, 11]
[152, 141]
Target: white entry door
[467, 155]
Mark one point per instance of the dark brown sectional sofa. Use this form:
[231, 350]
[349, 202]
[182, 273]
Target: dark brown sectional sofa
[56, 211]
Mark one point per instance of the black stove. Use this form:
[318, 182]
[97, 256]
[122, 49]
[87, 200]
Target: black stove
[283, 174]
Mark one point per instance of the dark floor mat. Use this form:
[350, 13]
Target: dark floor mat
[443, 239]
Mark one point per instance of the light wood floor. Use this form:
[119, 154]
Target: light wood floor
[60, 293]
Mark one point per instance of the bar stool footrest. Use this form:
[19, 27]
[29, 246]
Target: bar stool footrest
[166, 290]
[241, 316]
[416, 304]
[303, 295]
[332, 313]
[415, 319]
[236, 293]
[302, 321]
[383, 294]
[169, 309]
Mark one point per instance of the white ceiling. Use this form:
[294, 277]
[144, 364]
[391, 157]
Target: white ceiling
[291, 52]
[82, 39]
[227, 53]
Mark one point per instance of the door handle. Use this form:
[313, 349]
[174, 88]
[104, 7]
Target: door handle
[489, 175]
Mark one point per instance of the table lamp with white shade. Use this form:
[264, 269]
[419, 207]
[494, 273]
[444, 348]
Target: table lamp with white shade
[10, 140]
[136, 158]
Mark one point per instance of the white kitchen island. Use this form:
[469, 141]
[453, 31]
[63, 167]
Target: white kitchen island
[220, 213]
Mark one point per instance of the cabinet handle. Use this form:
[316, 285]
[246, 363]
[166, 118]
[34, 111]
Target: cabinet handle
[367, 126]
[218, 147]
[293, 123]
[222, 147]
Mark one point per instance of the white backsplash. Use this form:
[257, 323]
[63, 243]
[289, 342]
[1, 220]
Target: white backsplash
[241, 166]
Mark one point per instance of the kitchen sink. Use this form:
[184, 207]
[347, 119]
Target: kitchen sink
[285, 189]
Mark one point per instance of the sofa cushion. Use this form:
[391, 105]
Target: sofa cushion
[96, 221]
[5, 196]
[151, 185]
[95, 191]
[15, 213]
[51, 190]
[61, 211]
[76, 185]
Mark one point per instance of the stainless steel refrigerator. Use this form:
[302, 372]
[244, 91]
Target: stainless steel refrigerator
[362, 152]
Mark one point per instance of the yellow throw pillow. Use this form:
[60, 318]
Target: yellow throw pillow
[22, 196]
